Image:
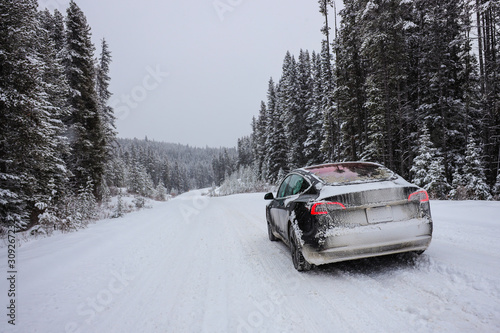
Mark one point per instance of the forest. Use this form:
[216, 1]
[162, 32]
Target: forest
[60, 158]
[411, 84]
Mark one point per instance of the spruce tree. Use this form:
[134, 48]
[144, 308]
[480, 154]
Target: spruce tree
[427, 170]
[305, 102]
[276, 143]
[442, 76]
[17, 87]
[102, 88]
[496, 188]
[32, 173]
[314, 116]
[86, 126]
[383, 26]
[259, 137]
[289, 107]
[330, 144]
[474, 179]
[350, 84]
[55, 88]
[488, 32]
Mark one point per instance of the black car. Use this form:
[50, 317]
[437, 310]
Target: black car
[343, 211]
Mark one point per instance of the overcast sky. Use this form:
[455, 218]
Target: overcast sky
[194, 71]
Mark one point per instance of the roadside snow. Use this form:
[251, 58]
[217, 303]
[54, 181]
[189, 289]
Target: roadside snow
[200, 264]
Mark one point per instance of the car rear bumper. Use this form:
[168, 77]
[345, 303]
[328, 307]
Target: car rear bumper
[342, 244]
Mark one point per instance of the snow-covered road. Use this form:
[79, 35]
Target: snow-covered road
[198, 264]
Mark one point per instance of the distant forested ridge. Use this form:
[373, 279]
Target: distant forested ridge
[411, 84]
[142, 166]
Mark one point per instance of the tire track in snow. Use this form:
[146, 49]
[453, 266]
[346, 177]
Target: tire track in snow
[160, 279]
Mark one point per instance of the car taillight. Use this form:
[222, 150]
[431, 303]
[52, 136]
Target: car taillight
[421, 196]
[321, 208]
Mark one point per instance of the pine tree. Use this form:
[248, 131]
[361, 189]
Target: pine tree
[119, 209]
[102, 88]
[161, 192]
[305, 102]
[473, 173]
[276, 143]
[314, 116]
[496, 188]
[55, 89]
[244, 151]
[87, 205]
[259, 136]
[488, 32]
[444, 76]
[86, 126]
[350, 92]
[32, 172]
[289, 108]
[469, 182]
[17, 88]
[330, 144]
[428, 170]
[57, 33]
[383, 27]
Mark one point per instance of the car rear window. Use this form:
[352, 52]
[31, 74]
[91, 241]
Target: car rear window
[344, 173]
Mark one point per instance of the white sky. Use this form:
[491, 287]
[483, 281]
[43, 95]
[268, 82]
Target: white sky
[218, 62]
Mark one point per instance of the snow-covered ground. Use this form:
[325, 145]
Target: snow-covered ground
[199, 264]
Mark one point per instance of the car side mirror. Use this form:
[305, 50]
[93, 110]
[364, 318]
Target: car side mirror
[269, 196]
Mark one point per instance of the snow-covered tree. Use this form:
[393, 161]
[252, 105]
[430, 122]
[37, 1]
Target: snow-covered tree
[428, 170]
[244, 149]
[87, 204]
[259, 134]
[161, 192]
[119, 209]
[31, 143]
[276, 143]
[16, 95]
[350, 77]
[488, 41]
[86, 125]
[304, 99]
[314, 115]
[496, 188]
[330, 144]
[290, 111]
[102, 88]
[471, 183]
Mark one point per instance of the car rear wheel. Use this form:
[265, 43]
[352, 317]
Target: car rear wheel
[299, 262]
[272, 238]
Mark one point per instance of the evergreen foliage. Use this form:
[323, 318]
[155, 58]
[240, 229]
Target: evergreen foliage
[470, 182]
[59, 156]
[405, 89]
[148, 167]
[87, 128]
[428, 170]
[31, 146]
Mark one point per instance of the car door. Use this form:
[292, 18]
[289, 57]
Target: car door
[292, 186]
[277, 209]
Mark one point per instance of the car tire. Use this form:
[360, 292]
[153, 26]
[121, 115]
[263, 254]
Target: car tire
[299, 262]
[272, 238]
